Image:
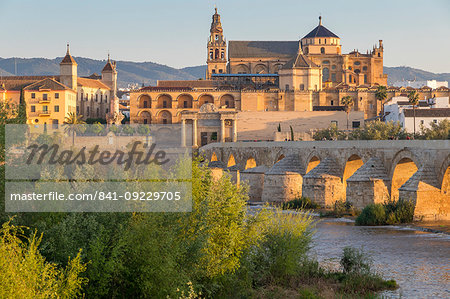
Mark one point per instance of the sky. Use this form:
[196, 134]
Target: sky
[174, 32]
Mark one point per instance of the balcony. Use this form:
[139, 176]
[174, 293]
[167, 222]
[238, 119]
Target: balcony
[44, 101]
[44, 112]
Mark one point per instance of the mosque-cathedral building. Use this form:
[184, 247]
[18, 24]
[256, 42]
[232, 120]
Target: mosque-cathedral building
[310, 75]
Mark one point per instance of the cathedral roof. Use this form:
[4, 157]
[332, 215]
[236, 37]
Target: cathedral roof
[249, 49]
[320, 31]
[47, 83]
[301, 61]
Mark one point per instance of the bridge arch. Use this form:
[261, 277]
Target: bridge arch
[352, 164]
[231, 161]
[213, 157]
[250, 163]
[403, 170]
[312, 161]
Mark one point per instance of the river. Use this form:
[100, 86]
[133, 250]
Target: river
[418, 261]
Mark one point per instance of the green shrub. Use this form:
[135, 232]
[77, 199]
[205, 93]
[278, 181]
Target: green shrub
[373, 214]
[355, 261]
[390, 212]
[300, 203]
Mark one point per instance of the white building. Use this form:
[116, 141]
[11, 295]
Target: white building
[433, 110]
[419, 84]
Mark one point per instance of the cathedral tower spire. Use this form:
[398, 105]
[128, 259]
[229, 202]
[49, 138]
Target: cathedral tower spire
[217, 48]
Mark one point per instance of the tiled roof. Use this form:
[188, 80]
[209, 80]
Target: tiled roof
[19, 82]
[47, 83]
[108, 66]
[157, 88]
[93, 83]
[185, 83]
[432, 112]
[301, 61]
[251, 49]
[320, 31]
[68, 59]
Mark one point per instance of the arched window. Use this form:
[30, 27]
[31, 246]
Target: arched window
[217, 54]
[222, 55]
[325, 41]
[322, 50]
[326, 74]
[319, 41]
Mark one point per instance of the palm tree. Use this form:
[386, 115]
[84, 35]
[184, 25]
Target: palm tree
[381, 95]
[413, 98]
[74, 124]
[347, 102]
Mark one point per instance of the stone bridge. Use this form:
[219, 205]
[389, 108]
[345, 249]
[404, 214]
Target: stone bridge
[361, 172]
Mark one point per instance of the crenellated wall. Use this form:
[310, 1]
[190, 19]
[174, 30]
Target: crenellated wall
[361, 172]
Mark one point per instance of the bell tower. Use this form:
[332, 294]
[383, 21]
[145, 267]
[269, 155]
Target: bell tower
[217, 48]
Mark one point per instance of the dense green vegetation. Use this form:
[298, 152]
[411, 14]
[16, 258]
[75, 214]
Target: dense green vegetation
[390, 212]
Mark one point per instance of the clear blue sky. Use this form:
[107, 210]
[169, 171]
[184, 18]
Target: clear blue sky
[174, 32]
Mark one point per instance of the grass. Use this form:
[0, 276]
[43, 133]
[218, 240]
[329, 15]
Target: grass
[300, 203]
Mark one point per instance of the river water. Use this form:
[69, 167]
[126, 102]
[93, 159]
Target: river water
[418, 261]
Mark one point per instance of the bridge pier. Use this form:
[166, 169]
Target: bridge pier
[368, 185]
[323, 184]
[283, 182]
[254, 178]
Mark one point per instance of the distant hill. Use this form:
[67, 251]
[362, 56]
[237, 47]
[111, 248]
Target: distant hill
[149, 72]
[401, 73]
[128, 72]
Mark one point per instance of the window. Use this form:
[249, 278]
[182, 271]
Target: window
[56, 108]
[322, 50]
[164, 104]
[211, 55]
[319, 41]
[435, 121]
[325, 41]
[33, 95]
[222, 55]
[185, 104]
[164, 121]
[357, 63]
[107, 110]
[286, 87]
[106, 98]
[45, 108]
[101, 97]
[365, 78]
[379, 55]
[57, 95]
[334, 122]
[145, 104]
[364, 68]
[306, 50]
[227, 103]
[332, 103]
[371, 106]
[326, 74]
[213, 71]
[302, 86]
[350, 68]
[333, 77]
[33, 108]
[217, 37]
[220, 71]
[326, 62]
[356, 124]
[45, 96]
[333, 67]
